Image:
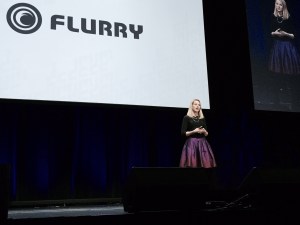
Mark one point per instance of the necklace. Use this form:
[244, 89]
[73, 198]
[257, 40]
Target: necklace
[279, 19]
[196, 118]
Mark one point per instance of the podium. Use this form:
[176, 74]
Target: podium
[158, 189]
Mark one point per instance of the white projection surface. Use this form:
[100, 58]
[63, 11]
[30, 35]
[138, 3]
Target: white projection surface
[128, 52]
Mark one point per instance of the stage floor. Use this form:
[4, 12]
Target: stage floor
[65, 211]
[114, 214]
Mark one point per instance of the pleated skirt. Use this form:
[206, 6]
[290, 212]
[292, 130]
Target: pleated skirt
[284, 58]
[197, 152]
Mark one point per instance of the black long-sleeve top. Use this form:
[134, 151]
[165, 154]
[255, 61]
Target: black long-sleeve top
[190, 124]
[285, 25]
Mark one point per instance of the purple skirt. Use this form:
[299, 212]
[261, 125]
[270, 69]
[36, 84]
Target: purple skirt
[284, 58]
[197, 152]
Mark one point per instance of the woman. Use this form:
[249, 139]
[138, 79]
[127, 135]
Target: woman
[196, 151]
[284, 59]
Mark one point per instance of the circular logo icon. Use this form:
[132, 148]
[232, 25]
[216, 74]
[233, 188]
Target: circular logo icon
[24, 18]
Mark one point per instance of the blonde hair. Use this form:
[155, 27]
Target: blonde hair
[190, 111]
[285, 12]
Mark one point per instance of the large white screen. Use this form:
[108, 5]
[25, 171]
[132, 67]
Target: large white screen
[164, 66]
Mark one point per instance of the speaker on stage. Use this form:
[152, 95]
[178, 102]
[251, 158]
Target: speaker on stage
[155, 189]
[4, 192]
[273, 188]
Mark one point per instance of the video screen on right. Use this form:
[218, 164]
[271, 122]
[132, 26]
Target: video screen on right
[274, 44]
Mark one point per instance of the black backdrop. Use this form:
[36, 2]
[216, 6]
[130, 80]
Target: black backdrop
[79, 151]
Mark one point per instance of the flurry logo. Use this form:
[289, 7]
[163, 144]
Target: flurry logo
[26, 19]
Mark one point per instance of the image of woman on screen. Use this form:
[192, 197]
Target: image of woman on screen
[196, 151]
[284, 60]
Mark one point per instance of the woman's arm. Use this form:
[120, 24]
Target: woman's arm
[195, 131]
[280, 33]
[286, 34]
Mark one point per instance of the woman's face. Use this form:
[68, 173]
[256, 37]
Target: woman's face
[196, 107]
[279, 6]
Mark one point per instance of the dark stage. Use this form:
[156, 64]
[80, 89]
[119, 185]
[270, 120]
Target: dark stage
[266, 195]
[115, 214]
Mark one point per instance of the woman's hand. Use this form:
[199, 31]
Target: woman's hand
[285, 34]
[203, 131]
[281, 33]
[277, 33]
[198, 130]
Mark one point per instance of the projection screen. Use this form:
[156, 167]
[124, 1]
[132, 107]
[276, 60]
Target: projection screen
[128, 52]
[274, 46]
